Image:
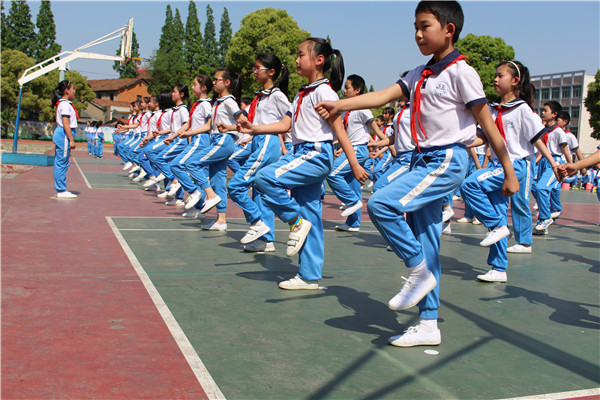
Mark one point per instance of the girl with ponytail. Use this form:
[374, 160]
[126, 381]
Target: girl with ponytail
[303, 170]
[64, 136]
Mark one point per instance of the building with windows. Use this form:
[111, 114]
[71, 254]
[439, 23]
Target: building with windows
[570, 90]
[113, 97]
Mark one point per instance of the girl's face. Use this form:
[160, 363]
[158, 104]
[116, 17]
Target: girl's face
[504, 82]
[262, 74]
[197, 88]
[176, 95]
[306, 63]
[152, 104]
[70, 92]
[349, 91]
[220, 84]
[144, 105]
[430, 35]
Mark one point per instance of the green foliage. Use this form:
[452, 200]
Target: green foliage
[168, 63]
[267, 30]
[211, 53]
[21, 31]
[485, 53]
[225, 34]
[128, 70]
[45, 45]
[592, 104]
[193, 50]
[37, 94]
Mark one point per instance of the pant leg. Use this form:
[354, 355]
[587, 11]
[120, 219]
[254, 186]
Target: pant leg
[239, 156]
[62, 151]
[341, 170]
[398, 167]
[179, 169]
[519, 203]
[543, 188]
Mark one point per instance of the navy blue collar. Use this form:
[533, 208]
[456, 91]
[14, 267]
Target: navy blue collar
[219, 100]
[513, 103]
[268, 92]
[315, 84]
[438, 67]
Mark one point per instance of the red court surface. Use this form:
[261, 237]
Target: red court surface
[77, 319]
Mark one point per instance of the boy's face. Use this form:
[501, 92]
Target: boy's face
[430, 35]
[561, 123]
[547, 115]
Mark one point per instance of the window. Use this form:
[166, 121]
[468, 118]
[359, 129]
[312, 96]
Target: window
[576, 91]
[545, 94]
[537, 94]
[566, 92]
[566, 109]
[555, 93]
[139, 98]
[575, 131]
[575, 113]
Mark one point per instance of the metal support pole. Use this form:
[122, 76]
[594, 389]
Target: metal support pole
[16, 135]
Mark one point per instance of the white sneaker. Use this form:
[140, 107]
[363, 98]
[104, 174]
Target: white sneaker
[416, 336]
[127, 166]
[297, 237]
[343, 207]
[535, 206]
[476, 221]
[555, 214]
[150, 182]
[493, 276]
[447, 228]
[174, 188]
[140, 176]
[175, 202]
[210, 203]
[413, 291]
[347, 228]
[495, 235]
[447, 213]
[260, 246]
[519, 248]
[389, 248]
[456, 198]
[370, 185]
[192, 200]
[540, 233]
[256, 230]
[135, 168]
[543, 225]
[213, 226]
[66, 195]
[195, 213]
[297, 283]
[152, 188]
[352, 209]
[131, 175]
[163, 195]
[464, 220]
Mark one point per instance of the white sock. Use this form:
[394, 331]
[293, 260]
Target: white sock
[428, 325]
[419, 270]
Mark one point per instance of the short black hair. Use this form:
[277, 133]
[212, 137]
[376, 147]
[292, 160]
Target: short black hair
[389, 111]
[564, 116]
[246, 100]
[554, 106]
[447, 12]
[357, 83]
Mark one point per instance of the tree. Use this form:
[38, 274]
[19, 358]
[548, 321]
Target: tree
[210, 44]
[168, 64]
[37, 94]
[592, 104]
[485, 53]
[193, 49]
[128, 70]
[267, 30]
[45, 45]
[225, 34]
[22, 35]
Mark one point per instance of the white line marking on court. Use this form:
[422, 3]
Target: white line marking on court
[561, 395]
[82, 174]
[206, 381]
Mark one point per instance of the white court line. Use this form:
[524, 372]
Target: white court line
[561, 395]
[82, 174]
[206, 381]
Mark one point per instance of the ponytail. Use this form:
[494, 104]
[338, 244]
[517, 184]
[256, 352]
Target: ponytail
[271, 61]
[322, 47]
[59, 92]
[524, 89]
[205, 80]
[235, 88]
[184, 92]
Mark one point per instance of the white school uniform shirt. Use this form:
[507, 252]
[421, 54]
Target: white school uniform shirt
[201, 113]
[227, 110]
[307, 124]
[271, 107]
[388, 129]
[556, 138]
[152, 121]
[66, 109]
[358, 126]
[446, 100]
[144, 121]
[521, 129]
[138, 119]
[165, 121]
[181, 115]
[403, 140]
[572, 141]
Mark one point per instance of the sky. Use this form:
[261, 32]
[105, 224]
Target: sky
[376, 38]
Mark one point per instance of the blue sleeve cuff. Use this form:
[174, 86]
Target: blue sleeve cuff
[404, 88]
[538, 136]
[289, 114]
[235, 114]
[369, 121]
[475, 102]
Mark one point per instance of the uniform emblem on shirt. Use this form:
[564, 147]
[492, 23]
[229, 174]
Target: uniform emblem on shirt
[440, 89]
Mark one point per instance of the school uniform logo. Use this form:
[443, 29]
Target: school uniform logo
[440, 89]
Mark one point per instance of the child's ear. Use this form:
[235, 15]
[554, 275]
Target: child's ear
[450, 30]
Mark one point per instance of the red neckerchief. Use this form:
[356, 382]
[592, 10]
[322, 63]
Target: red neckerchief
[159, 118]
[252, 108]
[74, 109]
[416, 111]
[304, 92]
[404, 107]
[193, 108]
[546, 137]
[346, 119]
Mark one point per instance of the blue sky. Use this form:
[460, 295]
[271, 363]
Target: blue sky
[376, 38]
